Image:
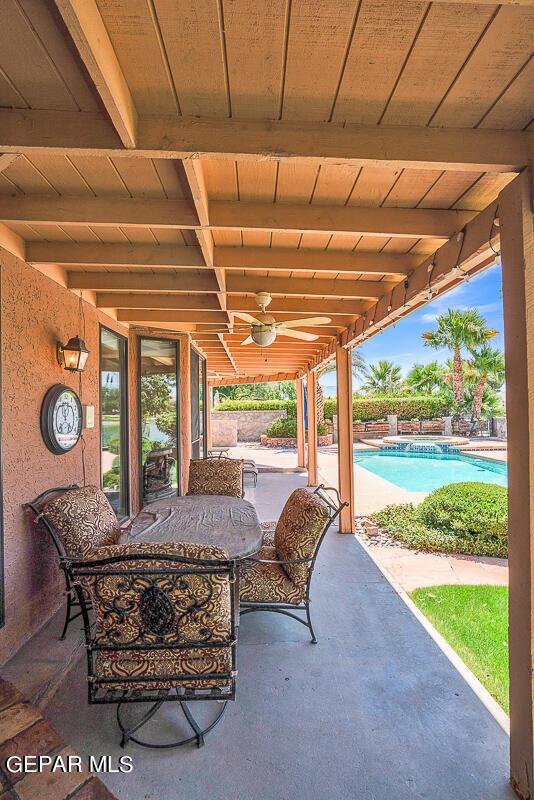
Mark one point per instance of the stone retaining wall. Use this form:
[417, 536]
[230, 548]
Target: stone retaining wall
[230, 427]
[289, 443]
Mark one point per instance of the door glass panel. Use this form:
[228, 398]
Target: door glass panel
[159, 417]
[114, 420]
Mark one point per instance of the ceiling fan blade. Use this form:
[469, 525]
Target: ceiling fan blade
[248, 340]
[247, 317]
[306, 337]
[296, 323]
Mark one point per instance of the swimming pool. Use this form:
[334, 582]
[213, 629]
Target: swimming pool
[425, 472]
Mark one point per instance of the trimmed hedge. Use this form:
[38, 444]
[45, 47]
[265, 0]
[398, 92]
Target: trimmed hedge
[286, 428]
[470, 518]
[258, 405]
[371, 409]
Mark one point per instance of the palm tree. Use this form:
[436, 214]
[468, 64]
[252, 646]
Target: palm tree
[487, 367]
[457, 329]
[426, 377]
[382, 378]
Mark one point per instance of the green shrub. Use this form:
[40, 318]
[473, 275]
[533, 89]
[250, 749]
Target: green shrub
[373, 409]
[286, 428]
[369, 409]
[258, 405]
[467, 509]
[468, 518]
[330, 407]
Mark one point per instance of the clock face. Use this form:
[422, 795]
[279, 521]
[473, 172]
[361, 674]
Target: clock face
[61, 419]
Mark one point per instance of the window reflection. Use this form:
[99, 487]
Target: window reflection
[159, 417]
[114, 417]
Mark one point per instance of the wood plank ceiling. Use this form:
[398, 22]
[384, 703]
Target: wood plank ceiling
[183, 244]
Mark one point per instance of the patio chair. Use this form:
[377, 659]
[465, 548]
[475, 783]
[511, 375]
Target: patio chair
[216, 476]
[164, 631]
[77, 520]
[157, 473]
[279, 578]
[249, 466]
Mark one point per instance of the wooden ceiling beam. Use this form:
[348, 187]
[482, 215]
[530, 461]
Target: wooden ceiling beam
[300, 218]
[265, 378]
[289, 306]
[106, 211]
[410, 147]
[306, 287]
[186, 281]
[175, 256]
[226, 215]
[86, 27]
[175, 302]
[215, 318]
[275, 258]
[6, 159]
[116, 254]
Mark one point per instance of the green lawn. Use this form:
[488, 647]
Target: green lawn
[474, 620]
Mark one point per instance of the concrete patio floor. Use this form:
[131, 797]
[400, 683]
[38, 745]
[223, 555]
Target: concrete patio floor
[375, 710]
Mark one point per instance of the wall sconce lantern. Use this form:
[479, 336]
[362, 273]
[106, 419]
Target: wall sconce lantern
[73, 355]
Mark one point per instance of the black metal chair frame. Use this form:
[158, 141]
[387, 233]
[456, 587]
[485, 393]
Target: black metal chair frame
[247, 607]
[98, 694]
[37, 508]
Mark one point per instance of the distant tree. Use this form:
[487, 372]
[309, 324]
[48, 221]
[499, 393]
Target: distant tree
[156, 394]
[383, 377]
[427, 378]
[358, 369]
[111, 399]
[457, 330]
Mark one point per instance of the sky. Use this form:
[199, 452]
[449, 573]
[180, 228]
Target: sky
[403, 343]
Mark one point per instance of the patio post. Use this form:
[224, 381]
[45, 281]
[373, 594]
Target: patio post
[313, 472]
[185, 411]
[517, 247]
[208, 401]
[344, 444]
[301, 434]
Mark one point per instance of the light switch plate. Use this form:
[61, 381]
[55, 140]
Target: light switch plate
[88, 416]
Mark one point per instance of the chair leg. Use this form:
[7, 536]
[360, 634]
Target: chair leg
[310, 626]
[199, 733]
[67, 616]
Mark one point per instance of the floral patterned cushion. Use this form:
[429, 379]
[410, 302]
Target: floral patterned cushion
[138, 607]
[267, 583]
[83, 519]
[216, 476]
[299, 530]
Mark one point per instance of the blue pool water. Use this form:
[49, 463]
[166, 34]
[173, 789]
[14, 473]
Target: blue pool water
[426, 472]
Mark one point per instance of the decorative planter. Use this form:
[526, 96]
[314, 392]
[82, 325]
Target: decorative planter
[289, 443]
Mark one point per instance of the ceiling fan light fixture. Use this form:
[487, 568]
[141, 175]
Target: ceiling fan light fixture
[263, 337]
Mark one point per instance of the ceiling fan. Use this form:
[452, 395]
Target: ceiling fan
[264, 327]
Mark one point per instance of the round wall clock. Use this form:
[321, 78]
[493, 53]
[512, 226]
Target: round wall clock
[61, 419]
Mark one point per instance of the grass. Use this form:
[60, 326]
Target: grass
[474, 621]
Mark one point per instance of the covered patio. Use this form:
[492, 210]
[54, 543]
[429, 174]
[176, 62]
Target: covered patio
[165, 167]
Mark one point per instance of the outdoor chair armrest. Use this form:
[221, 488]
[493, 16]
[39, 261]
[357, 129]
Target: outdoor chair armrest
[280, 561]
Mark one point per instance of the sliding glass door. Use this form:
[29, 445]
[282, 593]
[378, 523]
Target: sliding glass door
[114, 460]
[159, 410]
[198, 406]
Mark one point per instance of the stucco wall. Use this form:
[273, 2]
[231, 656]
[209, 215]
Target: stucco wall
[36, 313]
[250, 424]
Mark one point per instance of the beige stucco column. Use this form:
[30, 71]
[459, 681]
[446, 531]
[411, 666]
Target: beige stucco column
[344, 443]
[313, 470]
[517, 248]
[301, 437]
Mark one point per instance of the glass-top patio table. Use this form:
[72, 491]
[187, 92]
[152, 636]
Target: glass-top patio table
[228, 522]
